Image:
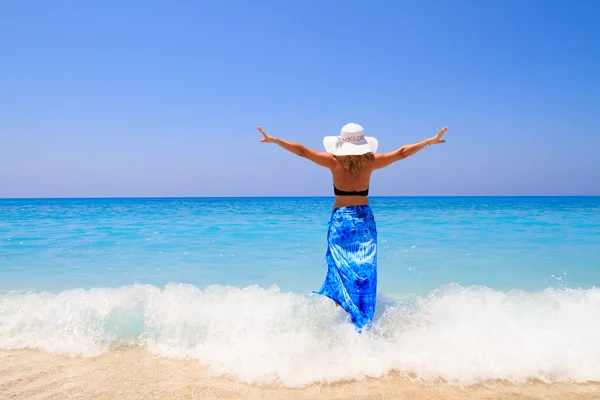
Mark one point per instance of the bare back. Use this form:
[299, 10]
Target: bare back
[344, 180]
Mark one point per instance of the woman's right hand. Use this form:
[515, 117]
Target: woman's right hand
[437, 138]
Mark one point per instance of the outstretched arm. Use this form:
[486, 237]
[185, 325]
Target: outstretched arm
[318, 157]
[385, 159]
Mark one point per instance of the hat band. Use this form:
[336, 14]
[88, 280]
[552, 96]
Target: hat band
[348, 139]
[351, 139]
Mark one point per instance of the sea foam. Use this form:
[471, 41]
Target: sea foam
[464, 335]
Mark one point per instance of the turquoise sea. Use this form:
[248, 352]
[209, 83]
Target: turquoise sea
[470, 288]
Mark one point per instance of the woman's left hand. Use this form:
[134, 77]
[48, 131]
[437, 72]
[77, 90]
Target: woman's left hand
[267, 138]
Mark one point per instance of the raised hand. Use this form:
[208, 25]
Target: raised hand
[267, 138]
[437, 139]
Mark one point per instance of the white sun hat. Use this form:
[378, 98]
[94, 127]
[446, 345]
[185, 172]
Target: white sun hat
[351, 142]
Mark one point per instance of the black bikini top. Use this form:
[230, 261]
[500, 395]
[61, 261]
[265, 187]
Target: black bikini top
[339, 192]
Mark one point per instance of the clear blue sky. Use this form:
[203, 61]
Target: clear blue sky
[146, 98]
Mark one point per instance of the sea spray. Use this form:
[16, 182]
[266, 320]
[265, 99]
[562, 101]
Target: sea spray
[262, 335]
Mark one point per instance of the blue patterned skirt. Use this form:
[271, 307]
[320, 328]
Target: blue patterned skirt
[351, 256]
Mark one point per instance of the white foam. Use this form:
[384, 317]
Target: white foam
[463, 335]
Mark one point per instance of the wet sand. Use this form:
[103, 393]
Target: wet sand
[136, 374]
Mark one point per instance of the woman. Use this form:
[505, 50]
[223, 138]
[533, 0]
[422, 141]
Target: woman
[351, 255]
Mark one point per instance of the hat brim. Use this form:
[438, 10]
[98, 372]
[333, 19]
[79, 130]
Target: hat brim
[334, 146]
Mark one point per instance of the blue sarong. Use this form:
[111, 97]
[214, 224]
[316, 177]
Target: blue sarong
[351, 257]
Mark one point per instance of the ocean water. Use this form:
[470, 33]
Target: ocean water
[469, 288]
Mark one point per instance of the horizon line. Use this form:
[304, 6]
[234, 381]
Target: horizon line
[278, 197]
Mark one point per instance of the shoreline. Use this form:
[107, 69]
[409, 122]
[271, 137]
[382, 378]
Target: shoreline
[136, 374]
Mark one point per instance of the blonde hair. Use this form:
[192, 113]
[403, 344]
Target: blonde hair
[355, 163]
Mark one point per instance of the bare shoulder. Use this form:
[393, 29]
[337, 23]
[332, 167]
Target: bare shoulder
[321, 158]
[382, 160]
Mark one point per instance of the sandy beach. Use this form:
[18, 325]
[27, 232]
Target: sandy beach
[136, 374]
